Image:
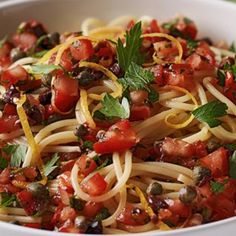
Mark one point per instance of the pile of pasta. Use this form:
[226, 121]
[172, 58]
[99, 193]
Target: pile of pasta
[141, 163]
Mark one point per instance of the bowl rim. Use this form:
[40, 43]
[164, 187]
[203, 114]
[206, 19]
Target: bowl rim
[40, 232]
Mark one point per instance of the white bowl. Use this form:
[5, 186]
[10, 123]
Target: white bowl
[214, 19]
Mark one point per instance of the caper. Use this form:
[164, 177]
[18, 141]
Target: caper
[54, 38]
[38, 190]
[85, 78]
[212, 145]
[81, 131]
[155, 189]
[187, 194]
[16, 54]
[77, 204]
[47, 79]
[95, 227]
[201, 174]
[103, 214]
[81, 223]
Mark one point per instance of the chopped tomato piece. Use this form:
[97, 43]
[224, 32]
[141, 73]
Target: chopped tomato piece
[33, 225]
[9, 110]
[139, 112]
[65, 93]
[91, 209]
[24, 41]
[9, 124]
[177, 148]
[96, 185]
[158, 74]
[217, 162]
[179, 75]
[86, 165]
[118, 138]
[13, 76]
[178, 208]
[82, 49]
[65, 182]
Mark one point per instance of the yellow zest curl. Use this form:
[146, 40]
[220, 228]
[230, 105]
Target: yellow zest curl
[173, 115]
[29, 136]
[109, 32]
[109, 74]
[171, 38]
[143, 201]
[49, 54]
[85, 109]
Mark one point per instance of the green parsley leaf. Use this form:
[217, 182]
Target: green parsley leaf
[221, 77]
[43, 69]
[210, 112]
[218, 187]
[7, 200]
[51, 165]
[113, 108]
[130, 52]
[230, 146]
[153, 95]
[17, 153]
[104, 164]
[3, 163]
[3, 40]
[232, 166]
[88, 145]
[191, 45]
[137, 78]
[232, 47]
[39, 54]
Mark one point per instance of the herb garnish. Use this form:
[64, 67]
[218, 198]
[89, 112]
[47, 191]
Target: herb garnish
[3, 163]
[218, 187]
[137, 78]
[130, 52]
[17, 152]
[210, 112]
[7, 200]
[43, 69]
[51, 165]
[113, 108]
[3, 40]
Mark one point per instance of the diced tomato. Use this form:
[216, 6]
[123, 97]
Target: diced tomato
[26, 200]
[30, 173]
[9, 124]
[118, 138]
[67, 166]
[13, 76]
[186, 27]
[86, 165]
[82, 49]
[66, 60]
[205, 51]
[179, 75]
[200, 149]
[5, 176]
[177, 148]
[65, 182]
[5, 50]
[34, 27]
[96, 185]
[91, 209]
[33, 225]
[24, 41]
[139, 112]
[178, 208]
[9, 110]
[229, 79]
[217, 162]
[67, 213]
[30, 85]
[48, 111]
[65, 93]
[5, 62]
[158, 74]
[133, 216]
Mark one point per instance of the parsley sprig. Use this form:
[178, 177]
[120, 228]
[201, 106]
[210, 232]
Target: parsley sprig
[210, 113]
[137, 78]
[131, 51]
[51, 165]
[17, 152]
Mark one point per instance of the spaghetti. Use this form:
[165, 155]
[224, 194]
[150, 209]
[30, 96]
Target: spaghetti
[124, 127]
